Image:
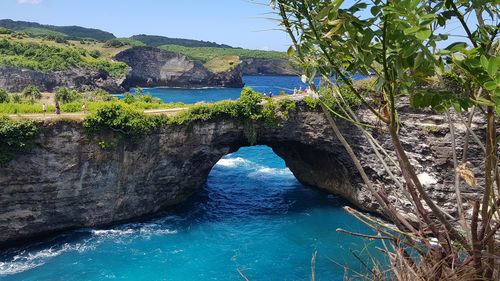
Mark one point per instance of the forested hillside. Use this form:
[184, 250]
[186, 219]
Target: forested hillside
[73, 32]
[156, 41]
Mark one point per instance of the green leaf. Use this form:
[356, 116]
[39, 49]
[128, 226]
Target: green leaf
[457, 47]
[484, 62]
[456, 106]
[423, 34]
[411, 30]
[290, 51]
[490, 85]
[492, 66]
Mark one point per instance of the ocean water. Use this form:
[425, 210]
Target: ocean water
[251, 215]
[260, 83]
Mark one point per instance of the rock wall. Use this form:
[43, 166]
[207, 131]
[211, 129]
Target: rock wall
[15, 79]
[159, 68]
[149, 68]
[256, 66]
[67, 181]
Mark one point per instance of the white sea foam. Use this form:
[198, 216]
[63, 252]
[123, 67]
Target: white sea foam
[112, 232]
[146, 229]
[266, 172]
[25, 261]
[7, 268]
[233, 162]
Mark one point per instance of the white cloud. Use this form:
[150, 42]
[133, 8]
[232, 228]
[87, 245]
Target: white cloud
[29, 2]
[265, 48]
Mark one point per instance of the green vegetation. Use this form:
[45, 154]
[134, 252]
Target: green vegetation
[122, 119]
[70, 32]
[65, 95]
[119, 42]
[398, 43]
[36, 31]
[206, 54]
[4, 96]
[156, 41]
[46, 58]
[126, 122]
[224, 63]
[32, 93]
[15, 136]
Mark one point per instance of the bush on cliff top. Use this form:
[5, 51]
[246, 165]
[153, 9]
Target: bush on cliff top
[125, 121]
[15, 136]
[119, 118]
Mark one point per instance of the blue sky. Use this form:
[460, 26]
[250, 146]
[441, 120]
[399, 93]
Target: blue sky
[239, 23]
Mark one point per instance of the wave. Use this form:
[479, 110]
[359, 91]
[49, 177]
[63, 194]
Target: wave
[233, 162]
[25, 261]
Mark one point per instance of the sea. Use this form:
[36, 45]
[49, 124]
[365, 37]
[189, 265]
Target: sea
[252, 220]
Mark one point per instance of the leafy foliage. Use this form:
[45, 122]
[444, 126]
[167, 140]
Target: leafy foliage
[156, 41]
[397, 43]
[122, 119]
[32, 92]
[69, 31]
[46, 58]
[65, 95]
[4, 96]
[206, 54]
[15, 136]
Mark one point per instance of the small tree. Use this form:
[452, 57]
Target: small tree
[396, 41]
[65, 95]
[32, 93]
[16, 98]
[4, 96]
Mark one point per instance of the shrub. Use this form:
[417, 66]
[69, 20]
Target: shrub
[121, 119]
[113, 43]
[32, 93]
[15, 136]
[65, 95]
[4, 96]
[16, 98]
[95, 54]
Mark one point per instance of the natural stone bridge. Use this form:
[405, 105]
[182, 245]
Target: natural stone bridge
[67, 181]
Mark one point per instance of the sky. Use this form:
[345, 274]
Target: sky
[238, 23]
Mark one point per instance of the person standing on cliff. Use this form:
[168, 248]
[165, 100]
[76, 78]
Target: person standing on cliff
[84, 108]
[58, 110]
[44, 110]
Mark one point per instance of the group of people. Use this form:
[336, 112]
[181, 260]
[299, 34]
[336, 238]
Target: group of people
[295, 92]
[58, 108]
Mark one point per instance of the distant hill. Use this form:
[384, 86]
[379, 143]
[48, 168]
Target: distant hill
[72, 32]
[156, 41]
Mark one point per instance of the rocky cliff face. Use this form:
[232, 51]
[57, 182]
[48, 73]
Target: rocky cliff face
[67, 181]
[149, 68]
[159, 68]
[15, 80]
[255, 66]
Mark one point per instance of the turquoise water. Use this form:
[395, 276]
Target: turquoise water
[260, 83]
[252, 215]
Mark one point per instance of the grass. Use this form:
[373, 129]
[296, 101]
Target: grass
[19, 108]
[224, 63]
[205, 54]
[106, 53]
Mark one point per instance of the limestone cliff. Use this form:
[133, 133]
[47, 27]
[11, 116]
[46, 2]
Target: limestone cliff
[67, 181]
[159, 68]
[149, 68]
[15, 79]
[256, 66]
